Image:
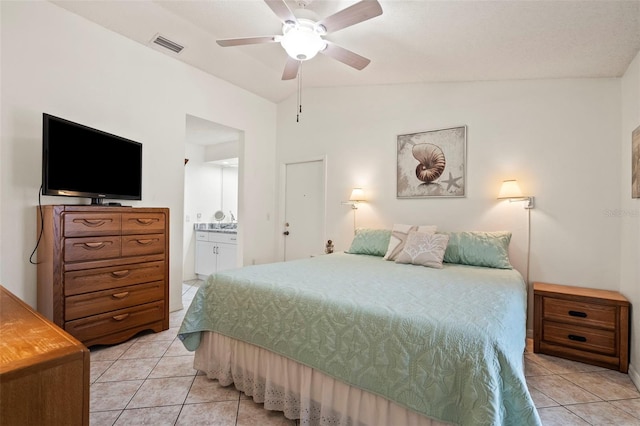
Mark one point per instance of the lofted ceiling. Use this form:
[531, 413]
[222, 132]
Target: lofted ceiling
[412, 41]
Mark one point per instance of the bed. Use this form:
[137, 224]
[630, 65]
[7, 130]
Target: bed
[356, 339]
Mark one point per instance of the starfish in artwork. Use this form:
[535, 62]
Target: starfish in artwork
[452, 181]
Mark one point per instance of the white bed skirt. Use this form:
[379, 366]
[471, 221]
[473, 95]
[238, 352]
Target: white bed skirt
[300, 392]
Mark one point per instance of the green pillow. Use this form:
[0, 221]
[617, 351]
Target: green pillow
[373, 242]
[490, 249]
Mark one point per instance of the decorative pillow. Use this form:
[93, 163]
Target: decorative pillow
[424, 248]
[476, 248]
[373, 242]
[399, 236]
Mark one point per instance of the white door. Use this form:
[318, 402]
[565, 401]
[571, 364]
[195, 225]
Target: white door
[303, 230]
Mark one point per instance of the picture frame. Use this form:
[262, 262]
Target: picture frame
[635, 163]
[432, 163]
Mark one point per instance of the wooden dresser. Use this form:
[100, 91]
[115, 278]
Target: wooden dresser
[44, 372]
[103, 272]
[582, 324]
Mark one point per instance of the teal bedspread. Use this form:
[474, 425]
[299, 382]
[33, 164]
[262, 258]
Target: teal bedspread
[447, 343]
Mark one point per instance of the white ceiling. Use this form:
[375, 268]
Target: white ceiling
[412, 41]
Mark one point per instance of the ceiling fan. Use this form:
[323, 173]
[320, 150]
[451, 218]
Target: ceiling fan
[302, 38]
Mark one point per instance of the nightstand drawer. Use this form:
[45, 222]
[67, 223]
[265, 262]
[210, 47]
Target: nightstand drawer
[579, 313]
[583, 338]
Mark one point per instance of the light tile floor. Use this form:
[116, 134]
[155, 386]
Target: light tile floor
[149, 380]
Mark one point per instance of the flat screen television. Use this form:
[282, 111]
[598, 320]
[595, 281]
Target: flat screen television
[79, 161]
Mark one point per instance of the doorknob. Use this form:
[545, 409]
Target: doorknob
[286, 232]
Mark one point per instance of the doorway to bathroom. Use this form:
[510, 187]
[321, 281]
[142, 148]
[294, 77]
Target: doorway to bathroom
[212, 167]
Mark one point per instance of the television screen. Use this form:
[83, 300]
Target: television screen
[79, 161]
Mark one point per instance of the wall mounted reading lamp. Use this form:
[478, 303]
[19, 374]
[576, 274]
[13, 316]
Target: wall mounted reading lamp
[357, 196]
[510, 190]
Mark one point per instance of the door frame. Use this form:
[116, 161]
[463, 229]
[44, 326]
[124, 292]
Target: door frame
[282, 202]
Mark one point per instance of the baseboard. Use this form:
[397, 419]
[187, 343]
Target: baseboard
[634, 375]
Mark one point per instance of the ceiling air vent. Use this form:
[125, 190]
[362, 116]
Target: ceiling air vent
[168, 44]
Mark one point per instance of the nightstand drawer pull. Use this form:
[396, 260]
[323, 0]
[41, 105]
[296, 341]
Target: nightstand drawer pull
[120, 317]
[578, 314]
[577, 338]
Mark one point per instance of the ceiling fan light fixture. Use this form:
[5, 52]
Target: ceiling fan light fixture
[302, 42]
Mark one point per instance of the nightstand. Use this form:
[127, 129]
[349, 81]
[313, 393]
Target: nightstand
[582, 324]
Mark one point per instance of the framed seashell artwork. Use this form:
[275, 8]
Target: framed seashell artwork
[432, 163]
[635, 163]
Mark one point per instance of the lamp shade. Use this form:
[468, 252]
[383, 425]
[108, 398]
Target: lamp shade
[510, 189]
[357, 195]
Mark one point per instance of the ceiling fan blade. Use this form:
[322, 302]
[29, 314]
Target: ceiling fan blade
[354, 14]
[291, 69]
[246, 40]
[282, 11]
[345, 56]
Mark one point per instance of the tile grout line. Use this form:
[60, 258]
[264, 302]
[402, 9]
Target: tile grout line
[185, 399]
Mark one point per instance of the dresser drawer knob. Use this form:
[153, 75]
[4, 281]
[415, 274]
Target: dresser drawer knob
[146, 221]
[146, 242]
[92, 223]
[578, 314]
[120, 317]
[120, 274]
[577, 338]
[94, 246]
[120, 295]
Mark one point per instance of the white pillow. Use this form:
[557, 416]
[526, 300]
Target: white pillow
[399, 236]
[424, 249]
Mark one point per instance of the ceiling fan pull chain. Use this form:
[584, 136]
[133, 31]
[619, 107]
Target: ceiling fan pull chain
[299, 107]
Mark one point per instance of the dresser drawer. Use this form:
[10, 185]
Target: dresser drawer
[85, 224]
[143, 223]
[587, 339]
[88, 304]
[115, 321]
[137, 245]
[579, 313]
[85, 281]
[91, 248]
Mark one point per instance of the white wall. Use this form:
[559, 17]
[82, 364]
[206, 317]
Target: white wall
[629, 211]
[54, 61]
[558, 138]
[229, 192]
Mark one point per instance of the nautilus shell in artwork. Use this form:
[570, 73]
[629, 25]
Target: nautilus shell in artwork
[431, 160]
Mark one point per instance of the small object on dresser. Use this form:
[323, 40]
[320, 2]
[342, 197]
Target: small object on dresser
[329, 247]
[582, 324]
